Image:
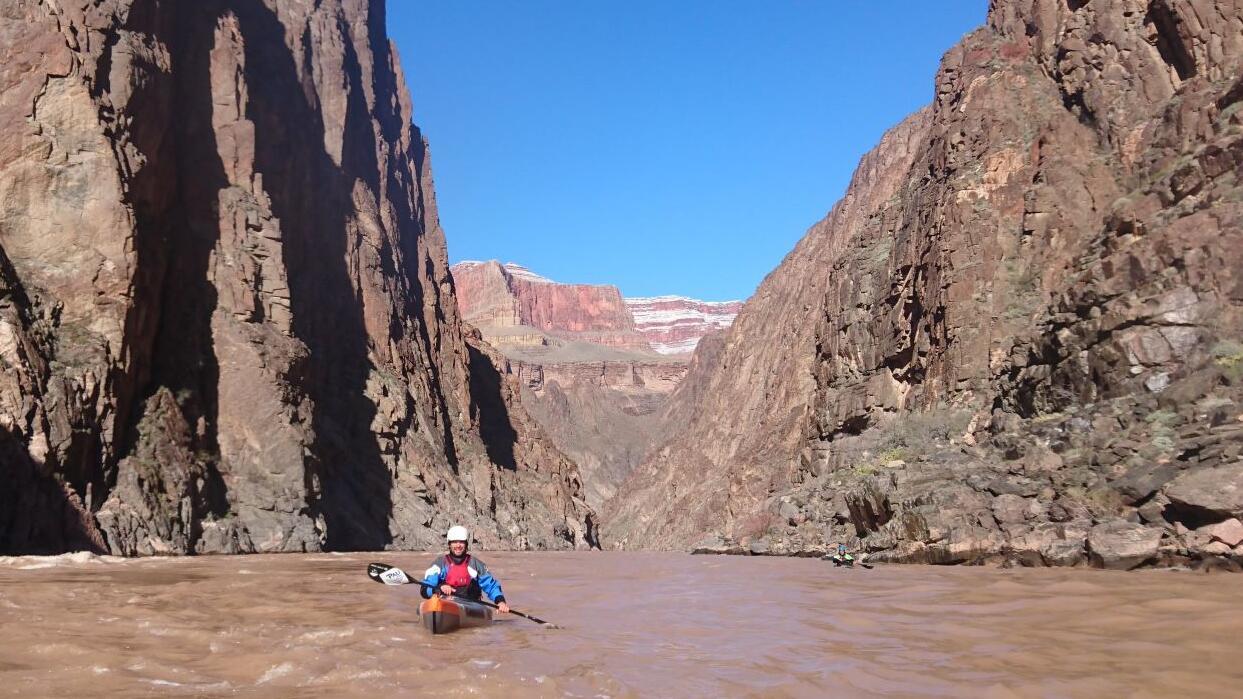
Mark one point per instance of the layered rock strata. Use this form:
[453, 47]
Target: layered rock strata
[227, 322]
[495, 296]
[587, 375]
[674, 324]
[1017, 337]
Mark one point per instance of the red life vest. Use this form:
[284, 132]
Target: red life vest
[458, 574]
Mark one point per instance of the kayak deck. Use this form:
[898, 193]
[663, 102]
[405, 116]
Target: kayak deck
[446, 614]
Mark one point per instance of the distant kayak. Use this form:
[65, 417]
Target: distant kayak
[446, 614]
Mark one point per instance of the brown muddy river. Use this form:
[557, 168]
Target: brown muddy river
[636, 625]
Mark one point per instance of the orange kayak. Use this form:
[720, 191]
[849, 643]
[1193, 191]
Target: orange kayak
[445, 614]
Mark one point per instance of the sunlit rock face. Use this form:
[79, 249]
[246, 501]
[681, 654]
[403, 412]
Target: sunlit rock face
[587, 370]
[515, 307]
[495, 297]
[1018, 337]
[226, 317]
[675, 324]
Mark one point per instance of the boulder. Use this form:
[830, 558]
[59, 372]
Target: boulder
[788, 511]
[966, 544]
[1229, 532]
[1041, 461]
[714, 544]
[1217, 548]
[1121, 545]
[1066, 547]
[1010, 509]
[1063, 552]
[1207, 495]
[1012, 484]
[1151, 512]
[869, 506]
[1142, 481]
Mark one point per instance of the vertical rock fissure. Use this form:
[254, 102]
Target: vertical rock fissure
[1170, 42]
[309, 196]
[418, 302]
[493, 416]
[38, 515]
[175, 246]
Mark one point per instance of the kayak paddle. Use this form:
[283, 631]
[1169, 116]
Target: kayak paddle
[392, 575]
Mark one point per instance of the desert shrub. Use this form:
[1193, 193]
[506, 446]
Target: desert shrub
[892, 454]
[1228, 354]
[919, 431]
[758, 524]
[1161, 418]
[1161, 428]
[1099, 501]
[863, 470]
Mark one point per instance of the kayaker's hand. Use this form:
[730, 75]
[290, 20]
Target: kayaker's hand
[447, 590]
[502, 608]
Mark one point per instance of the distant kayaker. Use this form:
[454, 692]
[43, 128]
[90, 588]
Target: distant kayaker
[842, 558]
[459, 573]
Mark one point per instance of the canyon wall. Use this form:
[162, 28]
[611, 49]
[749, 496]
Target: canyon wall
[227, 322]
[605, 415]
[1018, 337]
[588, 376]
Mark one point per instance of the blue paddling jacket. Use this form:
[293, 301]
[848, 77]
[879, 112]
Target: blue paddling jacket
[480, 579]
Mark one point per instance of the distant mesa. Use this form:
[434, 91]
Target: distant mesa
[513, 268]
[596, 369]
[521, 312]
[675, 324]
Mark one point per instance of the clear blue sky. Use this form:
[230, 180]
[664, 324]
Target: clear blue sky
[665, 146]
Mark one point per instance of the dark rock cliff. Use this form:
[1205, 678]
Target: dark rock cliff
[1019, 335]
[227, 322]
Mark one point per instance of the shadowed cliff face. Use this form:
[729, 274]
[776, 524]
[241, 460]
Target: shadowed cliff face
[1017, 337]
[226, 318]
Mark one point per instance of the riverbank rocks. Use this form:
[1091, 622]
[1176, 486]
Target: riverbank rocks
[1122, 545]
[1229, 532]
[716, 545]
[1210, 494]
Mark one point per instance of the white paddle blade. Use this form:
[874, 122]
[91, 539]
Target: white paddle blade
[394, 576]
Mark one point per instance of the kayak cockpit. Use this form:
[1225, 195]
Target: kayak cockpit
[446, 614]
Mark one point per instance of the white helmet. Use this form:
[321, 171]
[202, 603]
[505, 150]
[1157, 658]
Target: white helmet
[458, 533]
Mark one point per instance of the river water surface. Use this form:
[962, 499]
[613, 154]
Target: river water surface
[635, 624]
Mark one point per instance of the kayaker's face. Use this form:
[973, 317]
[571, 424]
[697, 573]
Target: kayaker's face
[457, 548]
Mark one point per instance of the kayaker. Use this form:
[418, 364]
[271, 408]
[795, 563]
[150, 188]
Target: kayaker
[459, 573]
[842, 558]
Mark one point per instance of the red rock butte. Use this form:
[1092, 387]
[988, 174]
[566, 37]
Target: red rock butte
[504, 299]
[492, 295]
[593, 378]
